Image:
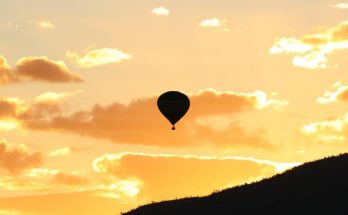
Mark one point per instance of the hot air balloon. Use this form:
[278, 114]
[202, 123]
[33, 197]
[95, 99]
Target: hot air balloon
[173, 105]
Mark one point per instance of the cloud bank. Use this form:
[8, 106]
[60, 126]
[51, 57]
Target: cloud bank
[140, 122]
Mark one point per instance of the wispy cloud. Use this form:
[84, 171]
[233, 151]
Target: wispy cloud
[98, 57]
[40, 172]
[121, 189]
[46, 181]
[43, 180]
[10, 212]
[60, 152]
[339, 93]
[160, 11]
[18, 183]
[53, 98]
[332, 131]
[178, 170]
[72, 179]
[310, 51]
[6, 73]
[14, 111]
[102, 164]
[41, 24]
[216, 24]
[9, 25]
[211, 23]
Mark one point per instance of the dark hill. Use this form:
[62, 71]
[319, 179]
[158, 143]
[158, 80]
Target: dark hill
[319, 187]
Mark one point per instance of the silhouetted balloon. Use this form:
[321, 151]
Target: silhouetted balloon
[173, 105]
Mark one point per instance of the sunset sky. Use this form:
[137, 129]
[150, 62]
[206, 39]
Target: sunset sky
[79, 80]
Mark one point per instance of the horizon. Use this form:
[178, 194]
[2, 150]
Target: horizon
[80, 80]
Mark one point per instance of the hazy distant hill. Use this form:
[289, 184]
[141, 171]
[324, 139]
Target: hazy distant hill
[319, 187]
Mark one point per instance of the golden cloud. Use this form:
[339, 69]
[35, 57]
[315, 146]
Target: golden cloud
[6, 73]
[11, 107]
[160, 11]
[121, 189]
[328, 131]
[14, 111]
[342, 5]
[9, 183]
[217, 24]
[45, 180]
[74, 203]
[340, 93]
[136, 123]
[9, 25]
[36, 68]
[9, 212]
[9, 125]
[48, 181]
[97, 57]
[44, 69]
[18, 159]
[212, 23]
[53, 98]
[40, 172]
[311, 50]
[60, 152]
[231, 102]
[72, 179]
[186, 174]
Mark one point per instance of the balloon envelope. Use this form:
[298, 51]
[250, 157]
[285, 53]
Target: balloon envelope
[173, 105]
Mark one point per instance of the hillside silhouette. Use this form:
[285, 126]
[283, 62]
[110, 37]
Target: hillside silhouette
[318, 187]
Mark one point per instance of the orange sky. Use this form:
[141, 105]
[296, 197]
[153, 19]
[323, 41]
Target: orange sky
[80, 129]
